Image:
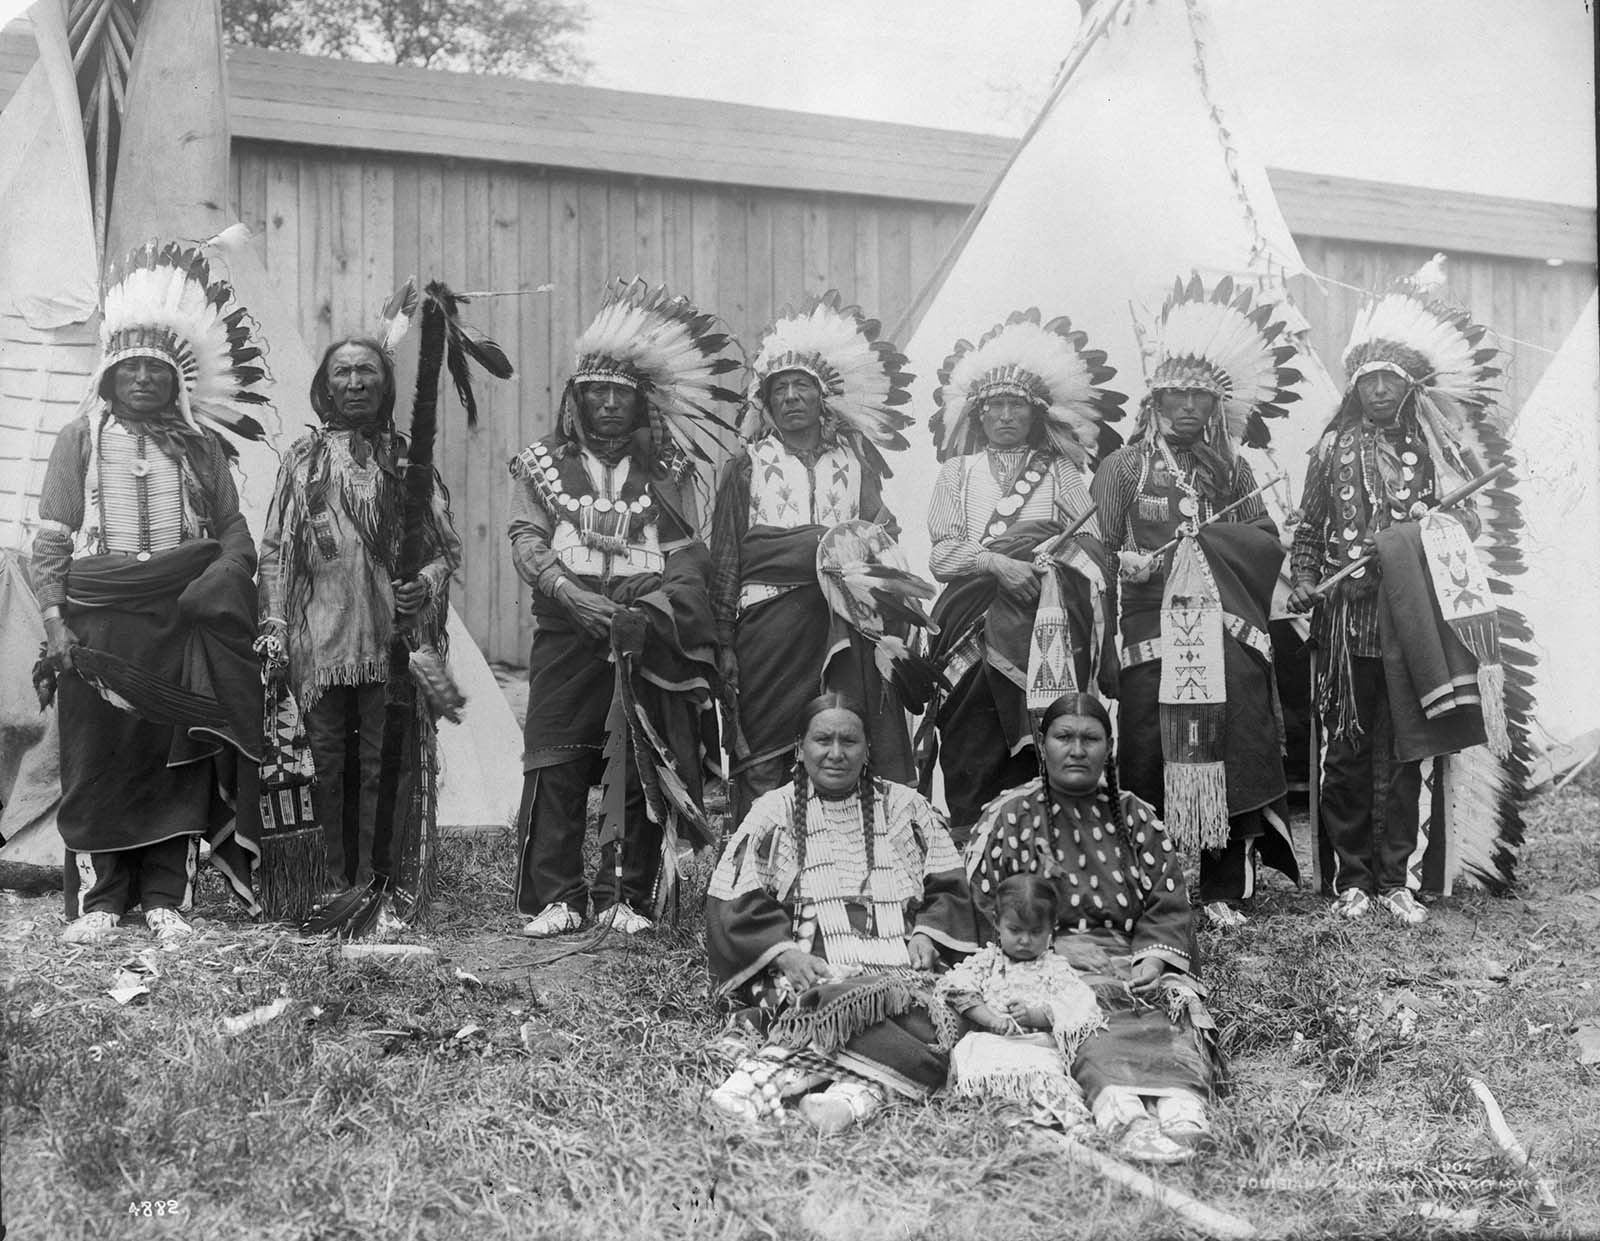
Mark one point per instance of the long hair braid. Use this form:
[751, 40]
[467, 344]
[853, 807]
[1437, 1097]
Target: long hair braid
[1114, 807]
[797, 820]
[867, 791]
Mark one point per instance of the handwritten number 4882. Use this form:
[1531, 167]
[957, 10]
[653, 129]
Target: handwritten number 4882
[151, 1210]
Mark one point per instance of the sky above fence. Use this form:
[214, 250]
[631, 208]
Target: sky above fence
[1476, 95]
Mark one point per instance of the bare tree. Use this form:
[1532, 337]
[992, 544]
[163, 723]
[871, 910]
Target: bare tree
[528, 38]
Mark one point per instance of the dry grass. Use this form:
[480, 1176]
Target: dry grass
[566, 1100]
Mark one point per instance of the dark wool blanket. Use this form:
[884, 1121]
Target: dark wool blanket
[1244, 563]
[792, 647]
[1006, 632]
[1422, 657]
[185, 617]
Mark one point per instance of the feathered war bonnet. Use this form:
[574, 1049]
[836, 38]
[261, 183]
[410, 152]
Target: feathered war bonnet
[1449, 363]
[1223, 345]
[1047, 364]
[667, 350]
[863, 379]
[162, 303]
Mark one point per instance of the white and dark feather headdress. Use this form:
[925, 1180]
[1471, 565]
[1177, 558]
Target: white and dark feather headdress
[1047, 364]
[162, 303]
[1223, 345]
[666, 348]
[1449, 361]
[863, 379]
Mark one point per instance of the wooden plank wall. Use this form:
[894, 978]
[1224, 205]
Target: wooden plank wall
[338, 230]
[1531, 304]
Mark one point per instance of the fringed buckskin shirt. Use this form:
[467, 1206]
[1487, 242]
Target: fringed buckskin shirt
[343, 637]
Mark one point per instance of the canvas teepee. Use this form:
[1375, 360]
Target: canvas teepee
[151, 162]
[1557, 439]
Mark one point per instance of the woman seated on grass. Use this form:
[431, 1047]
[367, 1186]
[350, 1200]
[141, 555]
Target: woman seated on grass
[1124, 924]
[826, 917]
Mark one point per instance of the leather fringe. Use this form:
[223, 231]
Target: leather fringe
[1196, 813]
[293, 870]
[829, 1026]
[1018, 1087]
[1492, 695]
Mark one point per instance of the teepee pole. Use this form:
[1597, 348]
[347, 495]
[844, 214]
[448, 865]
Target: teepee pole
[1095, 22]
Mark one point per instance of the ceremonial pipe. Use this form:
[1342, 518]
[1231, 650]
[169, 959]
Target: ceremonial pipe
[1450, 501]
[1223, 512]
[1048, 548]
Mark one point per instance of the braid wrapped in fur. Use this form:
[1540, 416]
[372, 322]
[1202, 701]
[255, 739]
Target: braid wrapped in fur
[797, 820]
[867, 791]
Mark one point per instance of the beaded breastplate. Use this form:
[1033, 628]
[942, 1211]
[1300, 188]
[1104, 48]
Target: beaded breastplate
[141, 493]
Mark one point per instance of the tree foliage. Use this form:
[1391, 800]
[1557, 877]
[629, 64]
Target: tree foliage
[528, 38]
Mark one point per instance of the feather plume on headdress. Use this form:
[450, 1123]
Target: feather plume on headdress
[1222, 345]
[863, 379]
[675, 354]
[1047, 364]
[161, 302]
[397, 315]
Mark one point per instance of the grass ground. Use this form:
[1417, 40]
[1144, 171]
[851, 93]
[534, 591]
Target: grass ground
[493, 1092]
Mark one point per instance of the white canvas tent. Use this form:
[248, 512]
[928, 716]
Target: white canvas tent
[48, 283]
[1557, 441]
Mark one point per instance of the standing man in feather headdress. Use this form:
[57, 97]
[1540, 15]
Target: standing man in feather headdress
[1408, 638]
[1196, 559]
[605, 528]
[824, 398]
[143, 566]
[333, 599]
[1022, 419]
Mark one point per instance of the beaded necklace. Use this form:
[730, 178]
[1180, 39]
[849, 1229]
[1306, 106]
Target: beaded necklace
[1192, 505]
[602, 524]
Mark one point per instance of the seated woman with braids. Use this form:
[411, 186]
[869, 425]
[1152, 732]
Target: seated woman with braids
[827, 916]
[1124, 924]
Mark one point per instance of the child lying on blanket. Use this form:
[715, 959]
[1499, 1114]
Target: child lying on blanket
[1031, 1008]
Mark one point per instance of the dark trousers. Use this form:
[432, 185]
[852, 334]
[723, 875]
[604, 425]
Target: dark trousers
[345, 732]
[982, 776]
[550, 827]
[158, 876]
[759, 778]
[1229, 873]
[1370, 849]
